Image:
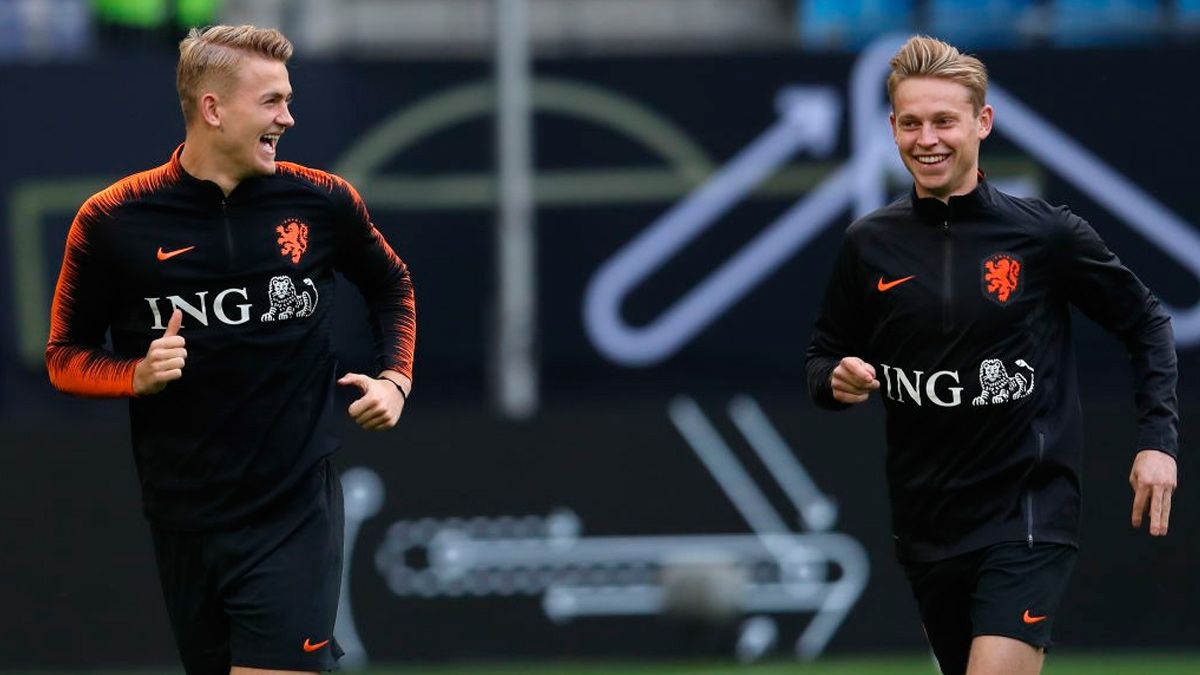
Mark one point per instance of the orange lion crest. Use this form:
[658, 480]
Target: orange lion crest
[1001, 277]
[293, 240]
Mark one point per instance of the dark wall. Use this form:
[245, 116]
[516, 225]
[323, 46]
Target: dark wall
[76, 576]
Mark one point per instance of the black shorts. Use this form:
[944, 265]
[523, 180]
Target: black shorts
[264, 595]
[1009, 589]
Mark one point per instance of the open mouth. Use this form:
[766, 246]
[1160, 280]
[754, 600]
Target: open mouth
[932, 160]
[268, 142]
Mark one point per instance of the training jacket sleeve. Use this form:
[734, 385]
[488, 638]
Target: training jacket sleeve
[840, 329]
[76, 358]
[1112, 296]
[366, 259]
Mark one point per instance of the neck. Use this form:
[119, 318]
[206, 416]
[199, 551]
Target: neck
[966, 187]
[201, 161]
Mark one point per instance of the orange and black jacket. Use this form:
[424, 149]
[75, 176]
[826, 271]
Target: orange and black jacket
[963, 310]
[253, 273]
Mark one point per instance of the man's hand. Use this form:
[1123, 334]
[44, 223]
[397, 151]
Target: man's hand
[1153, 480]
[853, 380]
[381, 402]
[164, 360]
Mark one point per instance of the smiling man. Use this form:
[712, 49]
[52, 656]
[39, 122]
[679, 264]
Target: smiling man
[214, 275]
[953, 303]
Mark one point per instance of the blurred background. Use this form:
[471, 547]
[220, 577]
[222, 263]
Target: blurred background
[619, 216]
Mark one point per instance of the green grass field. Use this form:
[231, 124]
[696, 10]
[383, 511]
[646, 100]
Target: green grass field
[1057, 664]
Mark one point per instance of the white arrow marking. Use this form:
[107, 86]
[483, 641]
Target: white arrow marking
[724, 467]
[633, 346]
[817, 511]
[362, 497]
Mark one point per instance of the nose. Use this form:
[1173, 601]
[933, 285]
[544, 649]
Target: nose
[285, 119]
[927, 138]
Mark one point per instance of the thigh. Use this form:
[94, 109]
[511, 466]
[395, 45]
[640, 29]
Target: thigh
[943, 591]
[198, 619]
[1000, 655]
[282, 587]
[1019, 591]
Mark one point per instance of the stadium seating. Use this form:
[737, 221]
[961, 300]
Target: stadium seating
[842, 24]
[1077, 23]
[984, 23]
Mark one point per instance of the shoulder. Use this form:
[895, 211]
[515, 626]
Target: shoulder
[1035, 212]
[876, 222]
[316, 179]
[130, 189]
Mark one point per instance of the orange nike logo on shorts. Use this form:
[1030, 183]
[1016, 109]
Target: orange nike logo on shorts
[889, 285]
[310, 647]
[1032, 619]
[167, 255]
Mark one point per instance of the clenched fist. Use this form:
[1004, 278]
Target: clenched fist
[853, 380]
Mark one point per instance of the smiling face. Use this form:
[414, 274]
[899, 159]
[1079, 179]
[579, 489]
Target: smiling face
[938, 131]
[253, 115]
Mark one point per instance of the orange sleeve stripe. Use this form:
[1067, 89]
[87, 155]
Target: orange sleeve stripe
[322, 179]
[89, 372]
[328, 182]
[130, 188]
[405, 325]
[65, 289]
[75, 360]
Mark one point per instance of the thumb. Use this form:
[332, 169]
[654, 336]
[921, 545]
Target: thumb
[356, 379]
[174, 323]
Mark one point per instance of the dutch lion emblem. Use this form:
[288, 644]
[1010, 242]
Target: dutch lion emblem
[293, 239]
[1000, 387]
[1002, 277]
[286, 303]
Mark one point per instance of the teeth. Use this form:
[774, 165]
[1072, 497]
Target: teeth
[931, 159]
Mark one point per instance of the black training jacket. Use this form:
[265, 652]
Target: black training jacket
[253, 274]
[963, 310]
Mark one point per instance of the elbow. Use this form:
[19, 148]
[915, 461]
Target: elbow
[55, 373]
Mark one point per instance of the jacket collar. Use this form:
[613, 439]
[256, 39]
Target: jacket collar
[973, 203]
[206, 188]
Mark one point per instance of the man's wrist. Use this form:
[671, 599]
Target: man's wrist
[403, 394]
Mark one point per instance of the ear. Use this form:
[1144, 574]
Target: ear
[986, 116]
[210, 109]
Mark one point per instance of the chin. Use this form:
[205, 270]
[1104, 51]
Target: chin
[933, 188]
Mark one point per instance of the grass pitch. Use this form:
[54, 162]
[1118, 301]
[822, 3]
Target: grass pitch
[1056, 664]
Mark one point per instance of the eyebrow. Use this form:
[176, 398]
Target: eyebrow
[939, 113]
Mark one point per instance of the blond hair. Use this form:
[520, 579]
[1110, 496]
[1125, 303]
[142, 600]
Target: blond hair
[924, 56]
[211, 57]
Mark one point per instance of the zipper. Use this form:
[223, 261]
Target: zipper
[228, 232]
[1041, 452]
[947, 290]
[1029, 517]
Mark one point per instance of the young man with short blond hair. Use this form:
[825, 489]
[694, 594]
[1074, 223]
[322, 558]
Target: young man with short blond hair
[953, 302]
[214, 275]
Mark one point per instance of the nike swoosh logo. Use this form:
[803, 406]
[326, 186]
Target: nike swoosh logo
[167, 255]
[1032, 619]
[310, 647]
[889, 285]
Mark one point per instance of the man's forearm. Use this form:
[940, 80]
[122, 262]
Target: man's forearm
[89, 371]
